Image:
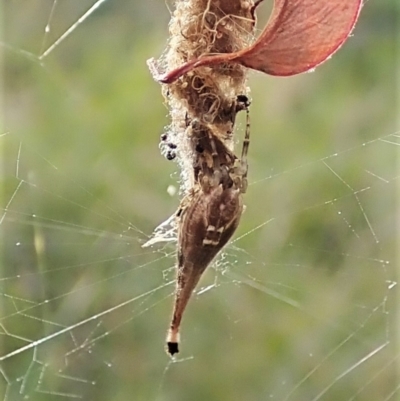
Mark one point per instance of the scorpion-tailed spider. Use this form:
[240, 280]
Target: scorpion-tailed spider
[209, 215]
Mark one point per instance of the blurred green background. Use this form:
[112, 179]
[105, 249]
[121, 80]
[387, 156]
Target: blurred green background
[301, 306]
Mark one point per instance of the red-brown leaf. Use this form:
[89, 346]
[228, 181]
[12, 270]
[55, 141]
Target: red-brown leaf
[300, 35]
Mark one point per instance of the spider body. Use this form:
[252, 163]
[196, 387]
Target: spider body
[208, 215]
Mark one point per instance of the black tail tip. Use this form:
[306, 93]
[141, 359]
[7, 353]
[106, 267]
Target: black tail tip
[172, 348]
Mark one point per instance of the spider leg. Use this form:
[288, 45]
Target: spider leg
[239, 171]
[216, 170]
[246, 143]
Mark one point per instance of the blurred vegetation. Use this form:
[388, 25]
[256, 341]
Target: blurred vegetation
[84, 185]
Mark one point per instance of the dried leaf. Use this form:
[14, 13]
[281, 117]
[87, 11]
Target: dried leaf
[300, 35]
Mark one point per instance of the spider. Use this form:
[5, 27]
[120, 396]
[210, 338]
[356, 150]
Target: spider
[208, 216]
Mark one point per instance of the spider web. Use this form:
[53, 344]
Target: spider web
[301, 305]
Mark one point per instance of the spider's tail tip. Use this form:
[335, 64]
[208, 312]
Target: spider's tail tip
[172, 348]
[173, 341]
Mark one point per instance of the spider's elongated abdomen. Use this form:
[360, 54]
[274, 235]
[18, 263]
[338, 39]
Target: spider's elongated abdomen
[205, 227]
